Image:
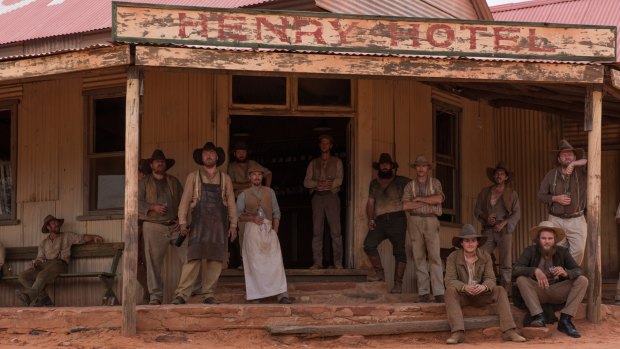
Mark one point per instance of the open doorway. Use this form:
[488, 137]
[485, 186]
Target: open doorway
[286, 145]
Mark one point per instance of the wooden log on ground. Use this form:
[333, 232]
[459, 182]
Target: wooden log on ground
[376, 329]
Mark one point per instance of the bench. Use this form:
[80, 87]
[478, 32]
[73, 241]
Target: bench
[109, 249]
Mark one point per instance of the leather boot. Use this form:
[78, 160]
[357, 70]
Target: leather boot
[399, 273]
[566, 325]
[537, 320]
[376, 265]
[456, 337]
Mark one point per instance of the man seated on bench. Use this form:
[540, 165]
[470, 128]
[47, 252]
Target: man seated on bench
[2, 255]
[52, 260]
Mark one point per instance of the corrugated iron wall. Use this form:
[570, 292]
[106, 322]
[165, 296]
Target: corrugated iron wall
[462, 9]
[524, 140]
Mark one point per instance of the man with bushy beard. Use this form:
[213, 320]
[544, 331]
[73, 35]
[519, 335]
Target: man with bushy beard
[564, 191]
[497, 209]
[546, 273]
[386, 219]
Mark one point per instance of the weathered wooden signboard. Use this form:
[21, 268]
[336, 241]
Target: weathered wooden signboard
[296, 31]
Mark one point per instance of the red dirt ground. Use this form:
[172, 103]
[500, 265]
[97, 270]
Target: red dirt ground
[602, 336]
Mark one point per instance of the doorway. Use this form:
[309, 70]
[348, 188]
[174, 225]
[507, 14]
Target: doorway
[286, 145]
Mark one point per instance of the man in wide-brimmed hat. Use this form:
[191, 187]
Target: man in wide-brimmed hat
[209, 198]
[159, 195]
[563, 190]
[52, 260]
[263, 268]
[546, 273]
[324, 177]
[497, 209]
[386, 219]
[422, 197]
[470, 280]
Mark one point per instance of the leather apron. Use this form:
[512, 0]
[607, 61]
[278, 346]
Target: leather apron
[208, 238]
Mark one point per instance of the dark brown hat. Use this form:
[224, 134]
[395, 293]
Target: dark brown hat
[468, 231]
[500, 166]
[422, 160]
[547, 226]
[221, 155]
[564, 145]
[240, 145]
[384, 158]
[47, 221]
[158, 154]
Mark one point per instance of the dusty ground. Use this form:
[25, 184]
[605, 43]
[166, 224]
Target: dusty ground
[603, 336]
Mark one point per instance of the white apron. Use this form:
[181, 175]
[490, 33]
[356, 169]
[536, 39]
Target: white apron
[262, 261]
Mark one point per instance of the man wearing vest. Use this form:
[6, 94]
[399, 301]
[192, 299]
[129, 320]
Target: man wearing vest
[422, 197]
[324, 178]
[159, 195]
[263, 270]
[564, 191]
[209, 198]
[497, 209]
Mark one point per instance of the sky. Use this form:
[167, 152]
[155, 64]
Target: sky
[499, 2]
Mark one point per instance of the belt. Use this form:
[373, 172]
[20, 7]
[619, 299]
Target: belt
[391, 215]
[423, 215]
[166, 223]
[570, 215]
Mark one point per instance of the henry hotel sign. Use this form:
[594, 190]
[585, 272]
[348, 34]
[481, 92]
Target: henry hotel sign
[295, 31]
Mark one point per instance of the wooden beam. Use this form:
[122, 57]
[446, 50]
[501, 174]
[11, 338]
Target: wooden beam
[594, 101]
[375, 329]
[65, 63]
[421, 68]
[132, 157]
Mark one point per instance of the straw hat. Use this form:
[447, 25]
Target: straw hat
[47, 221]
[547, 226]
[421, 160]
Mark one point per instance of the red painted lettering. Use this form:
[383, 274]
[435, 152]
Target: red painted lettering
[183, 23]
[532, 43]
[430, 35]
[317, 33]
[412, 33]
[231, 30]
[503, 33]
[342, 32]
[278, 30]
[472, 35]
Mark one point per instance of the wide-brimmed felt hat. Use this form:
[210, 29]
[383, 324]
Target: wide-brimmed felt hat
[256, 168]
[326, 136]
[240, 145]
[144, 166]
[221, 155]
[384, 158]
[421, 160]
[158, 154]
[564, 145]
[468, 231]
[47, 220]
[547, 226]
[500, 166]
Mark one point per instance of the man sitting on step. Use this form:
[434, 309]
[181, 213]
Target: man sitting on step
[470, 280]
[386, 219]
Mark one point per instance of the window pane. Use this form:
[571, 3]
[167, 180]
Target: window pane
[6, 180]
[445, 133]
[445, 174]
[258, 90]
[109, 125]
[327, 92]
[107, 183]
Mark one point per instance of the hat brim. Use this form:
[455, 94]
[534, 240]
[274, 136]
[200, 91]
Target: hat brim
[221, 156]
[375, 165]
[491, 174]
[44, 230]
[560, 234]
[169, 163]
[456, 241]
[429, 164]
[579, 152]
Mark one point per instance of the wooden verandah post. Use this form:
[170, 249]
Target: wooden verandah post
[593, 125]
[130, 257]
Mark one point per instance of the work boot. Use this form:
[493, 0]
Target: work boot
[440, 299]
[178, 300]
[456, 337]
[24, 299]
[538, 320]
[376, 265]
[210, 300]
[399, 273]
[424, 298]
[512, 336]
[42, 301]
[566, 325]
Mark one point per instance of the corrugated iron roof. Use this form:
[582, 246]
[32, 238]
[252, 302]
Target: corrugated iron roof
[595, 12]
[31, 19]
[461, 9]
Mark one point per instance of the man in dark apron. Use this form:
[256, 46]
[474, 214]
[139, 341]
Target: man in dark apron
[209, 198]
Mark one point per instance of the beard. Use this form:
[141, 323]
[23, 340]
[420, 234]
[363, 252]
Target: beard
[242, 161]
[385, 174]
